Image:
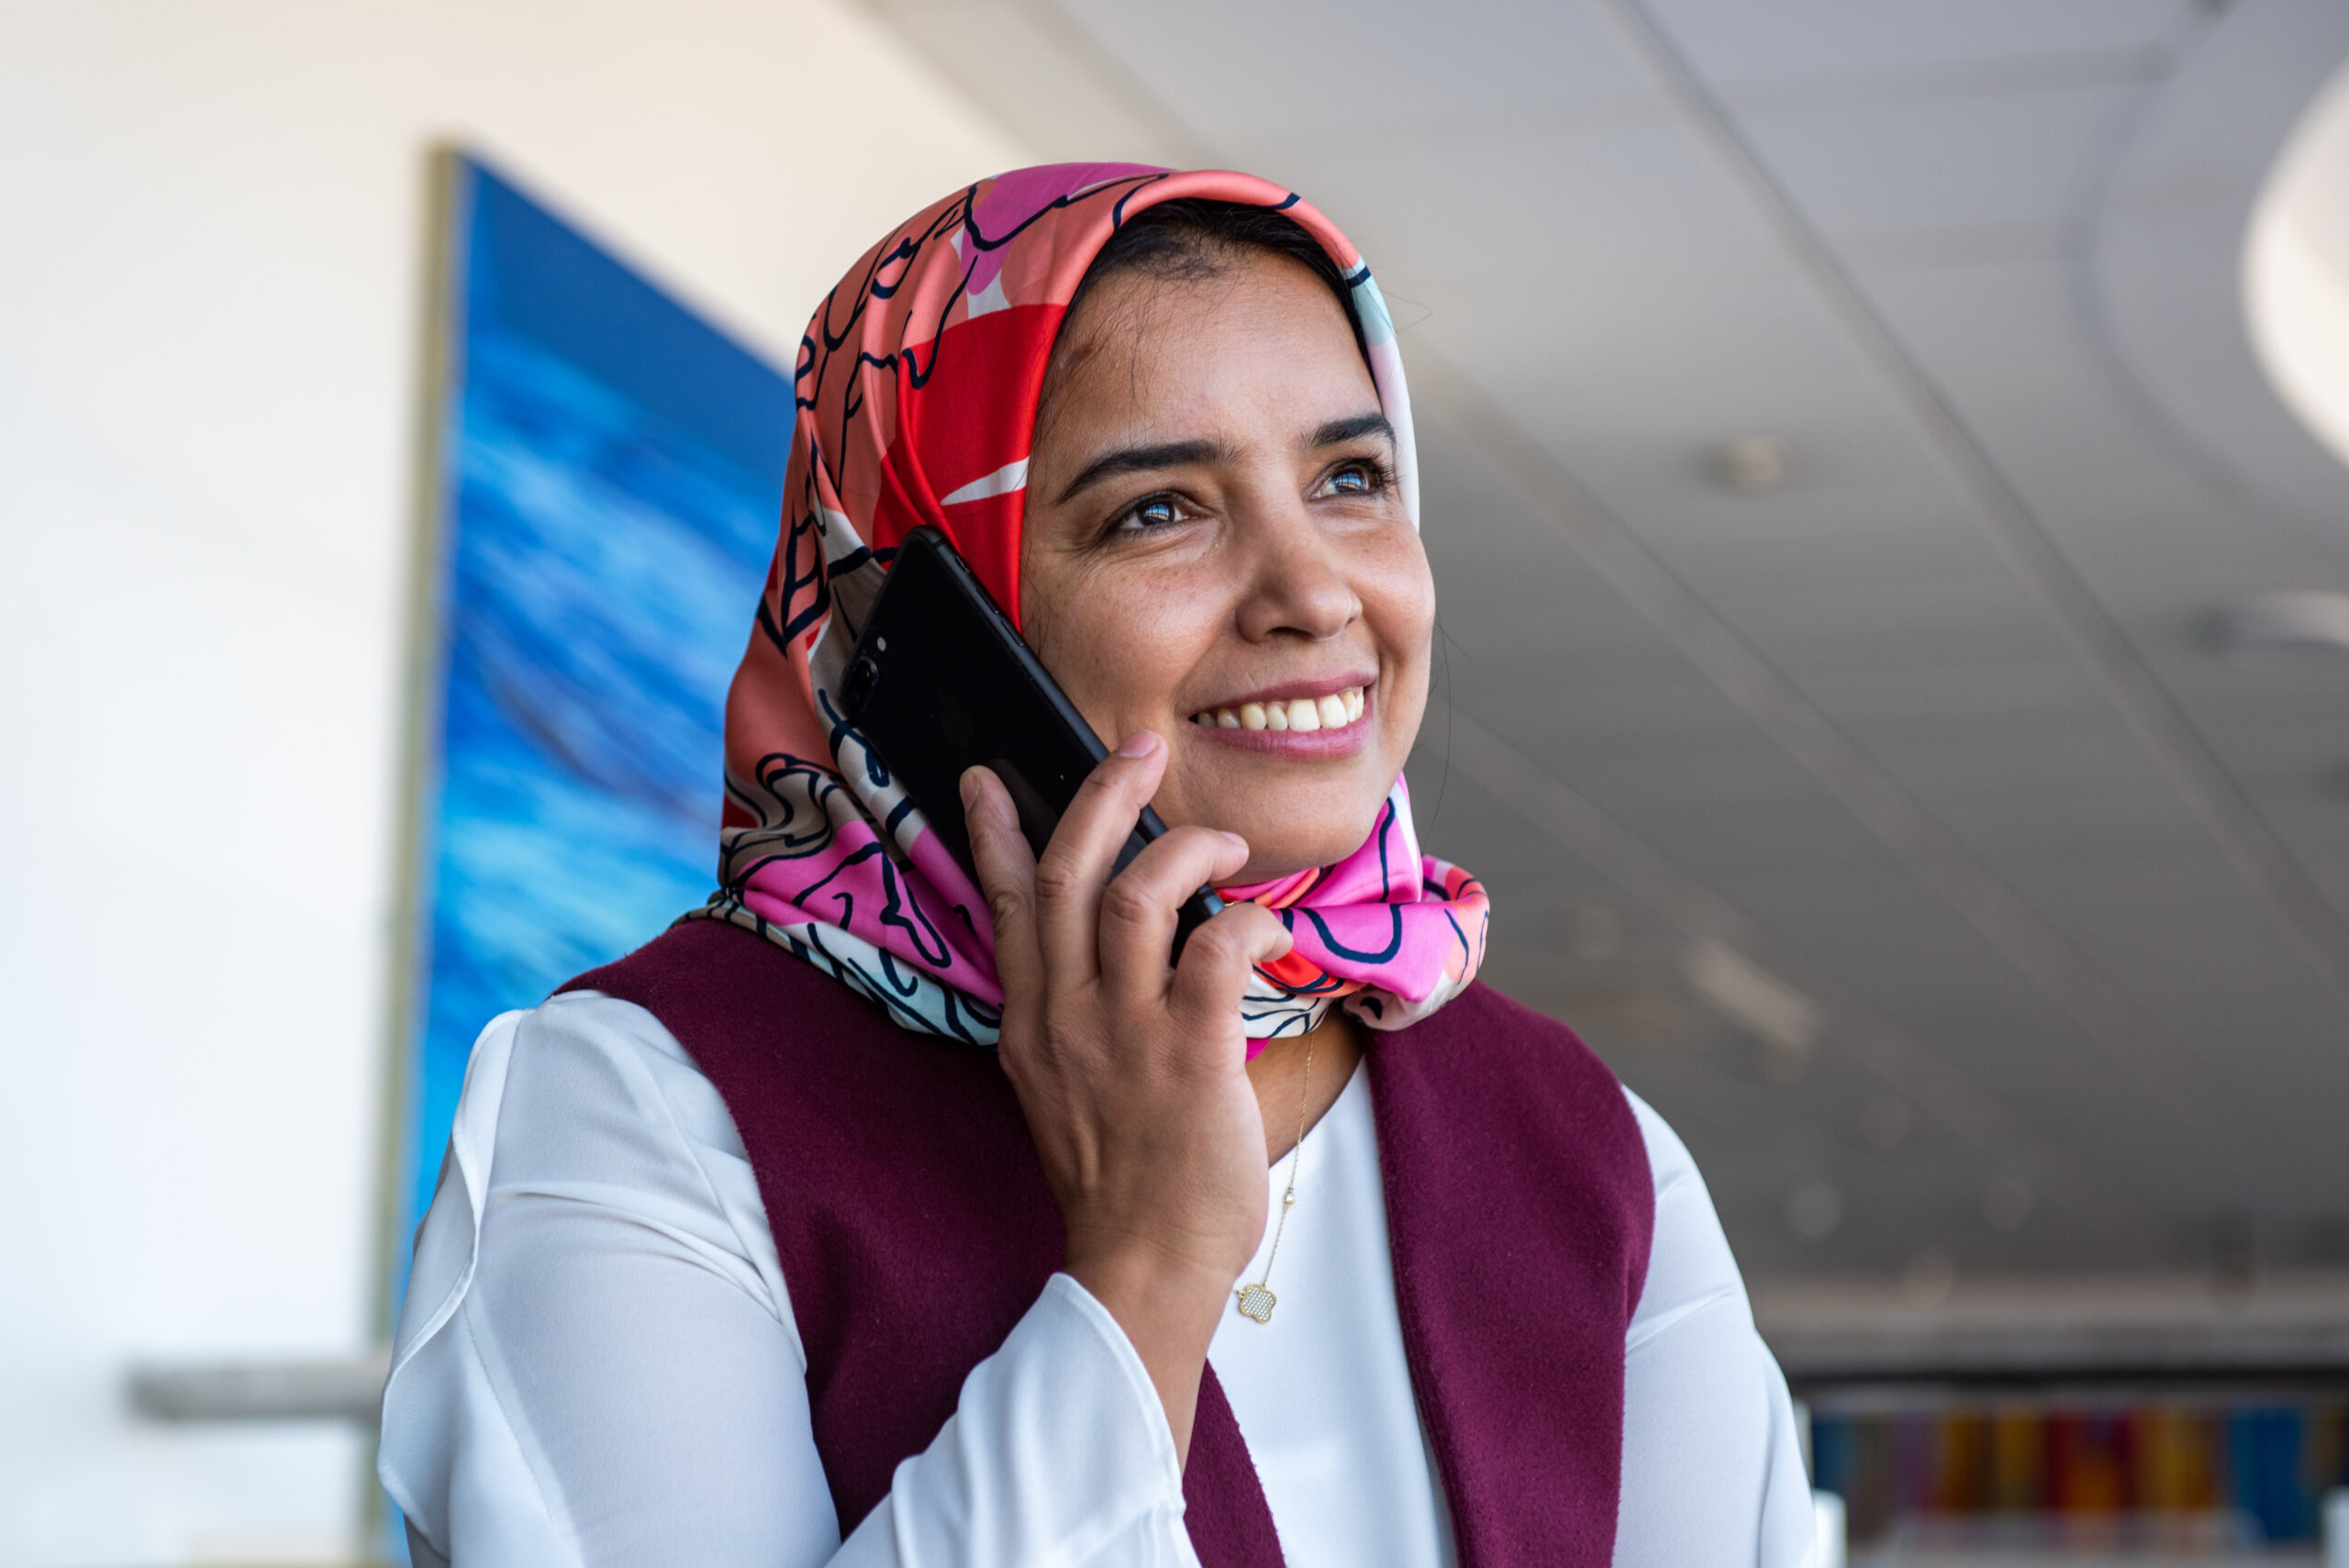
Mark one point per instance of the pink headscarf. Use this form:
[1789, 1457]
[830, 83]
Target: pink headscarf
[917, 387]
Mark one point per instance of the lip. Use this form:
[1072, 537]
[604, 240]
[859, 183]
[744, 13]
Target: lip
[1296, 744]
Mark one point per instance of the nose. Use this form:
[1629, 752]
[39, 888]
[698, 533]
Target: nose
[1297, 585]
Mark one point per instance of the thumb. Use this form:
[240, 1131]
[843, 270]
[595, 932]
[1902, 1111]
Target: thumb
[1217, 962]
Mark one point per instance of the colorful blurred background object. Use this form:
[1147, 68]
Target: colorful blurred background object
[607, 467]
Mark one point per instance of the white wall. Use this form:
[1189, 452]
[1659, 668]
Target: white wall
[211, 255]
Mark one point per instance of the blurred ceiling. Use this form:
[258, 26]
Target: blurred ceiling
[1844, 458]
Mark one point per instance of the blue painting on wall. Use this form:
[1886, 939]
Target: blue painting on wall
[609, 472]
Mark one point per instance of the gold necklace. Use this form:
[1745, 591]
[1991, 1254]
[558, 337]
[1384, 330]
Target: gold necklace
[1256, 1301]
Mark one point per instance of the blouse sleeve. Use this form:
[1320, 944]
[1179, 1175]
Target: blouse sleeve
[597, 1363]
[1713, 1470]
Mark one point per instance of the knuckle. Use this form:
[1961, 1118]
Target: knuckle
[1056, 877]
[1128, 901]
[1219, 942]
[1005, 906]
[1059, 1039]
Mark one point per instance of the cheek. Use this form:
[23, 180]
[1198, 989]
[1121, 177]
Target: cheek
[1398, 600]
[1119, 644]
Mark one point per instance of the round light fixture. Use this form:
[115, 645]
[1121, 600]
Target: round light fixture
[2296, 269]
[1752, 465]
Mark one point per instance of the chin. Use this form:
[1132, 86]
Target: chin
[1292, 816]
[1277, 848]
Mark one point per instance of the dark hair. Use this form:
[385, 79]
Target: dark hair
[1191, 239]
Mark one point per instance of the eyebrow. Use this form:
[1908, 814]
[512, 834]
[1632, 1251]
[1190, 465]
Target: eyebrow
[1144, 460]
[1353, 428]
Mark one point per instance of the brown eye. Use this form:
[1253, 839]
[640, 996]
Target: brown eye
[1355, 479]
[1153, 512]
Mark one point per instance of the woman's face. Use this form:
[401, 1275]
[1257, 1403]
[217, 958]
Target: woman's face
[1214, 549]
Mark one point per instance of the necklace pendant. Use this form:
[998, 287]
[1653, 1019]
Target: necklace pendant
[1256, 1302]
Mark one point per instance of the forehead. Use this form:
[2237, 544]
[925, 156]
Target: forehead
[1262, 333]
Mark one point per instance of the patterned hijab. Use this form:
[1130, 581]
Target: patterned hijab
[918, 384]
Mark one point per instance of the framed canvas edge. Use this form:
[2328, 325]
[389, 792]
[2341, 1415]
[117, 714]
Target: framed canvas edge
[447, 184]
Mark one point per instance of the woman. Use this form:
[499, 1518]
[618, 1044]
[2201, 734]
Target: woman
[746, 1244]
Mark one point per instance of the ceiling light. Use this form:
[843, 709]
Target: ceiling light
[2296, 269]
[2287, 620]
[1752, 465]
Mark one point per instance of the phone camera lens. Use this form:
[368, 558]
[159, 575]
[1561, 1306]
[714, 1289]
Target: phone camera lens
[856, 688]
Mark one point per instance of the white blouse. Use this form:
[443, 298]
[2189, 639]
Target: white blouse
[597, 1365]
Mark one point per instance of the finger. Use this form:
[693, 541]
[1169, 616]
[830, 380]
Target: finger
[1007, 868]
[1142, 904]
[1085, 848]
[1218, 958]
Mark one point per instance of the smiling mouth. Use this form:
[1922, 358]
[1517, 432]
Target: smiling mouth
[1335, 710]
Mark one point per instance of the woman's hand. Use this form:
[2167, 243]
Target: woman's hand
[1132, 1074]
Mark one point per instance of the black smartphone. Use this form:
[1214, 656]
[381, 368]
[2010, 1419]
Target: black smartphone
[940, 681]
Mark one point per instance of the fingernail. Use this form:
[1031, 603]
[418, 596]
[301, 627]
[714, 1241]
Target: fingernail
[1237, 842]
[1140, 743]
[970, 788]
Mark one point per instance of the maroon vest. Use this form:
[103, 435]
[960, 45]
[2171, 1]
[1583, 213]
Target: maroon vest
[914, 1230]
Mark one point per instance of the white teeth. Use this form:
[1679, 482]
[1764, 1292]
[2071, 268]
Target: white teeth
[1335, 711]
